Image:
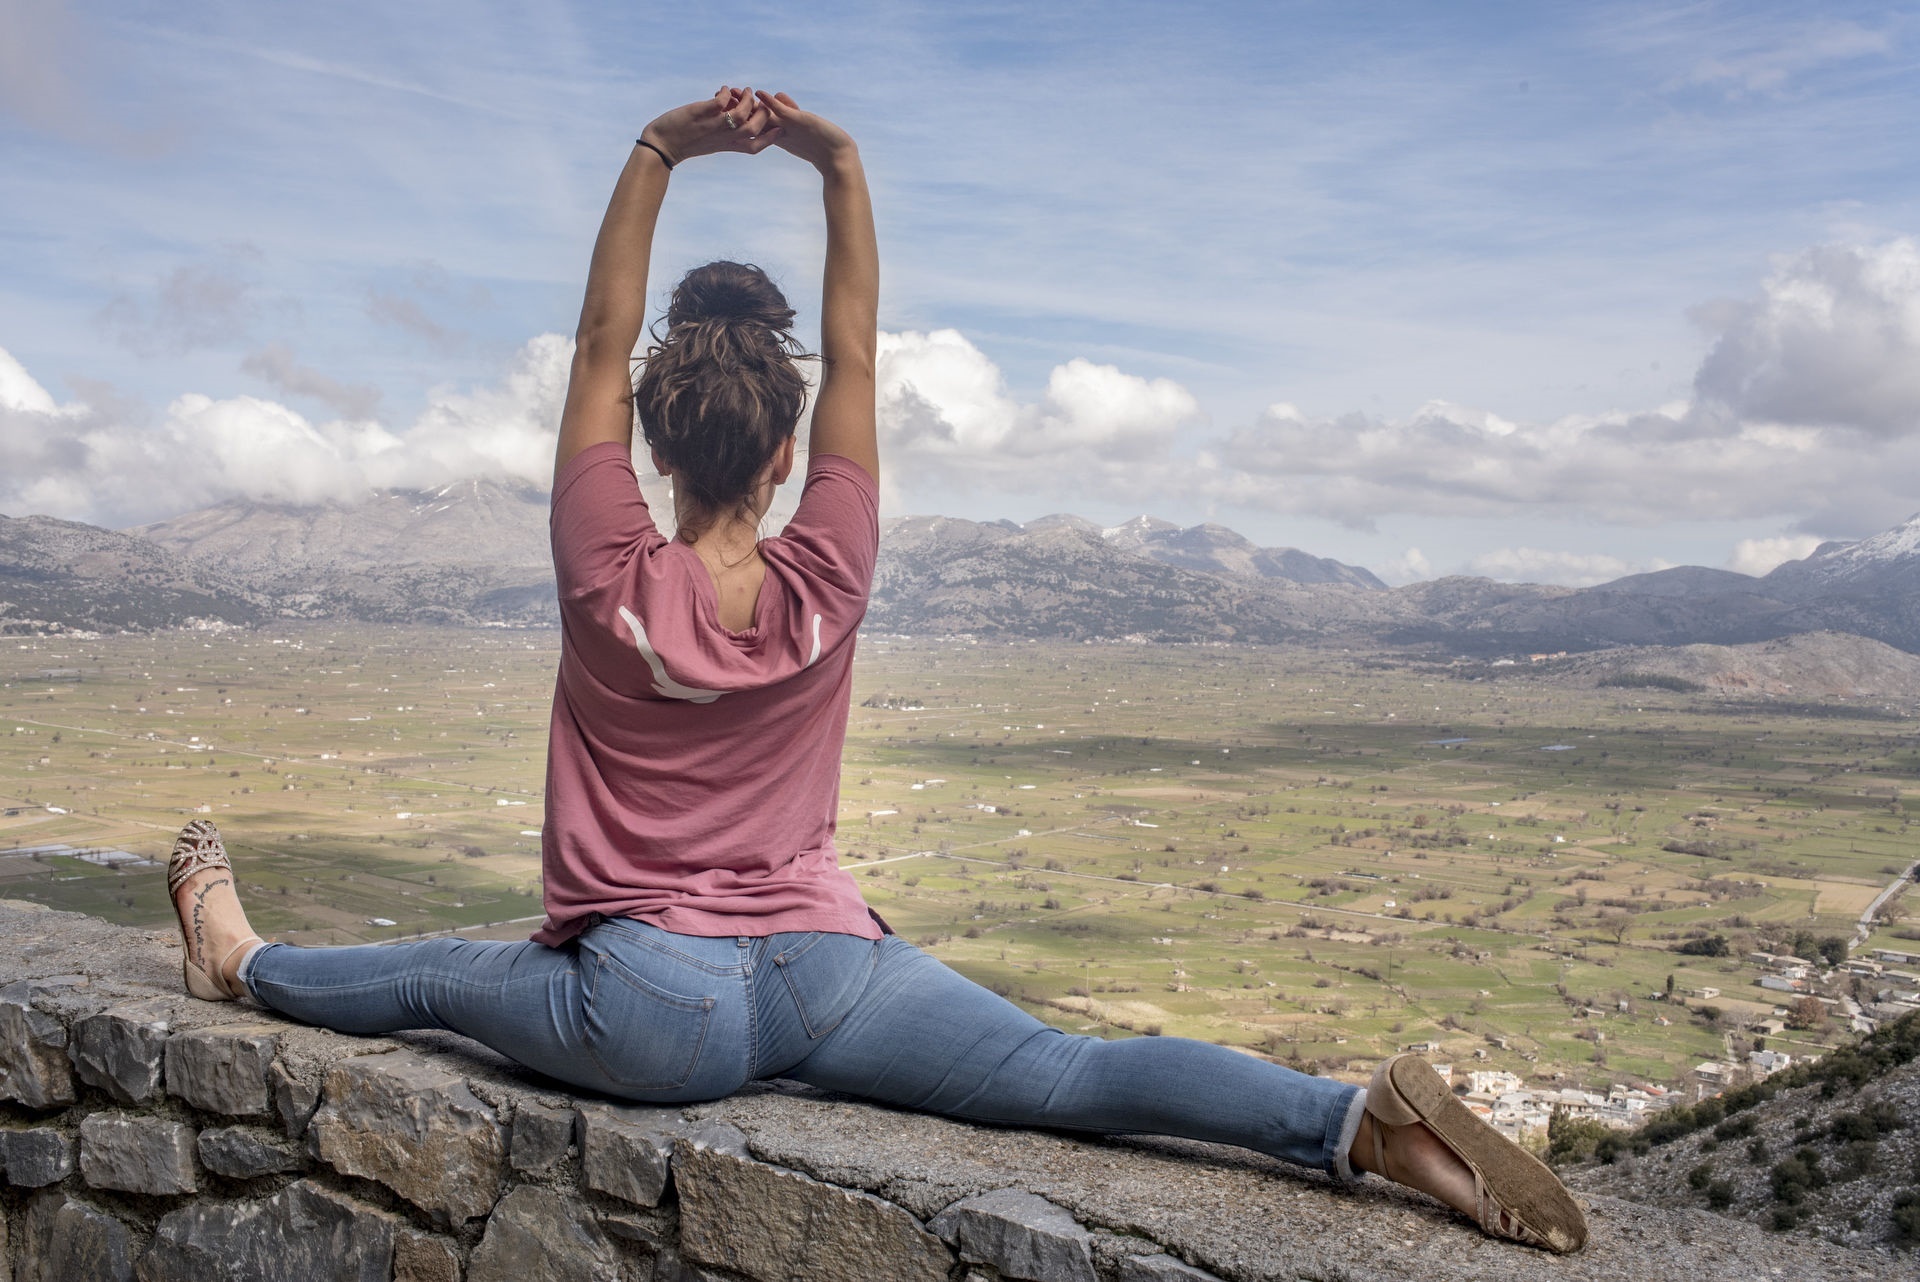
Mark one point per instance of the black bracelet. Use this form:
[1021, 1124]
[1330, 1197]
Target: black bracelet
[664, 158]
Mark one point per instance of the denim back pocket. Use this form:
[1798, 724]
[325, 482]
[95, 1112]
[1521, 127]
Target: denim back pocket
[642, 1035]
[826, 974]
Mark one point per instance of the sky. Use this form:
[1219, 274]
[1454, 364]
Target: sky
[1550, 293]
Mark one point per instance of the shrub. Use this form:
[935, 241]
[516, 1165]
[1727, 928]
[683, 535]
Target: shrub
[1719, 1195]
[1700, 1176]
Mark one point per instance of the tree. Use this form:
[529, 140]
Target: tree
[1807, 1013]
[1706, 946]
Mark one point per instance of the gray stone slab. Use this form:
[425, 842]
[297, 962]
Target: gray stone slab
[34, 1068]
[542, 1136]
[62, 1240]
[36, 1156]
[303, 1231]
[772, 1225]
[137, 1154]
[1019, 1233]
[1160, 1268]
[424, 1257]
[223, 1069]
[122, 1050]
[627, 1152]
[534, 1235]
[247, 1152]
[411, 1124]
[294, 1099]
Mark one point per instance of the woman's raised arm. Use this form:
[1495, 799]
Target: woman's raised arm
[843, 412]
[599, 404]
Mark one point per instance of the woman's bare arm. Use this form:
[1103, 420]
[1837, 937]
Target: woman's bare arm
[843, 411]
[599, 405]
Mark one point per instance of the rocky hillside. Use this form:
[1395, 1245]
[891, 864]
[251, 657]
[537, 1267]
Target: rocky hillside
[1811, 666]
[1830, 1149]
[473, 552]
[62, 575]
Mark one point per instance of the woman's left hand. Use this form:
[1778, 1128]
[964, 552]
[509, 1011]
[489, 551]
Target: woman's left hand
[702, 128]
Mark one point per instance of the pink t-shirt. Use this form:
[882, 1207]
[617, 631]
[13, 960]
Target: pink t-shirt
[693, 772]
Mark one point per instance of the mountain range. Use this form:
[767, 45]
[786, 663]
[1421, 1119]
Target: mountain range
[475, 552]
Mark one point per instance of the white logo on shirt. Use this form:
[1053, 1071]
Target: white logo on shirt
[664, 685]
[816, 643]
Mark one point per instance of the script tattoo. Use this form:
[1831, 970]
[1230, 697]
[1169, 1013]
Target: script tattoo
[199, 908]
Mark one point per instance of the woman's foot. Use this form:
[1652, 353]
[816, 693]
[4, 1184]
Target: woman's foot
[1414, 1156]
[1415, 1132]
[213, 927]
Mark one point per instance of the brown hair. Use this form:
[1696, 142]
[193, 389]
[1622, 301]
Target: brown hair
[721, 389]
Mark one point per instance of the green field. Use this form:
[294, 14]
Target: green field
[1318, 856]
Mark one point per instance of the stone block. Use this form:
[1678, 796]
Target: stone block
[422, 1257]
[223, 1069]
[121, 1050]
[534, 1236]
[408, 1123]
[628, 1152]
[36, 1156]
[293, 1099]
[247, 1152]
[1160, 1268]
[303, 1231]
[773, 1224]
[541, 1136]
[137, 1154]
[1021, 1234]
[61, 1240]
[34, 1068]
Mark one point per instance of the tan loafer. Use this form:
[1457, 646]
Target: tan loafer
[1515, 1195]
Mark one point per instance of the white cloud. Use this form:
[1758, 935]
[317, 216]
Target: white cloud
[1757, 556]
[1543, 565]
[1832, 342]
[86, 464]
[1411, 566]
[946, 415]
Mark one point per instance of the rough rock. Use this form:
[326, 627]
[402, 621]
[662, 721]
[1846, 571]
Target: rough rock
[422, 1257]
[34, 1068]
[137, 1154]
[36, 1157]
[293, 1099]
[1020, 1234]
[669, 1266]
[541, 1136]
[408, 1123]
[223, 1069]
[1160, 1268]
[627, 1152]
[121, 1050]
[798, 1227]
[534, 1236]
[247, 1152]
[303, 1231]
[62, 1240]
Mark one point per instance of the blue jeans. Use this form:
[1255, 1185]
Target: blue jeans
[636, 1012]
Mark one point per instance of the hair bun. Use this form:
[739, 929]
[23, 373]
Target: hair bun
[731, 293]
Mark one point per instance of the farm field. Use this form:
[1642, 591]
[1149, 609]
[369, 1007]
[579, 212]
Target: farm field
[1317, 856]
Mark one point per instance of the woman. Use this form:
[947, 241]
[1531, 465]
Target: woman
[699, 932]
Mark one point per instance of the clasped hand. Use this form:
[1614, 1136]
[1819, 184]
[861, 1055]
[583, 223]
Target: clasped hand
[749, 121]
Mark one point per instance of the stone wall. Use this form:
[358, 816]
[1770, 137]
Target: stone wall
[144, 1134]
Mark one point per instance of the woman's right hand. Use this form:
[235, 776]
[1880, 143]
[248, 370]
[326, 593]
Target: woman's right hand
[814, 139]
[701, 128]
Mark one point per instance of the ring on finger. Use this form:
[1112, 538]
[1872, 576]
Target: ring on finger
[731, 122]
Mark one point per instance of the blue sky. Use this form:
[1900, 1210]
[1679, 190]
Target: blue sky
[1549, 292]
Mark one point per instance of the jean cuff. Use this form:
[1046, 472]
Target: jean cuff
[1341, 1166]
[245, 973]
